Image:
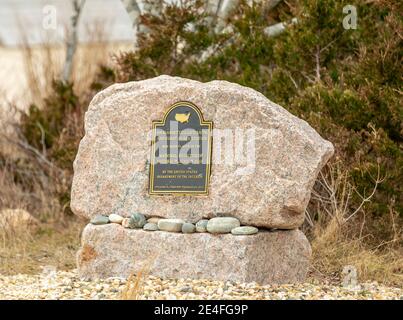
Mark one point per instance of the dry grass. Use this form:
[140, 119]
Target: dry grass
[135, 282]
[338, 232]
[27, 252]
[24, 186]
[340, 236]
[29, 71]
[27, 181]
[45, 63]
[383, 266]
[54, 240]
[133, 287]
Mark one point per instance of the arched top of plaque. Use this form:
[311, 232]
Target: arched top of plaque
[181, 152]
[180, 105]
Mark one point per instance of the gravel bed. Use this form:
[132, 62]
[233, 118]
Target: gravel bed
[67, 285]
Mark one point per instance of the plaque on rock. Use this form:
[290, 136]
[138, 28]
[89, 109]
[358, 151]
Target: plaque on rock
[181, 152]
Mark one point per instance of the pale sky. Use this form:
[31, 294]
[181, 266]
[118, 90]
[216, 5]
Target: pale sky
[109, 16]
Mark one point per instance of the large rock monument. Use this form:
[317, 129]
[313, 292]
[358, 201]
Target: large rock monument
[229, 152]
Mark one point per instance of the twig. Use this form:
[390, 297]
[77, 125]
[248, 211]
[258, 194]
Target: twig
[317, 60]
[25, 146]
[367, 199]
[42, 138]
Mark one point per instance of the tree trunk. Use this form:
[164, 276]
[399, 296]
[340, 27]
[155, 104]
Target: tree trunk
[133, 10]
[72, 40]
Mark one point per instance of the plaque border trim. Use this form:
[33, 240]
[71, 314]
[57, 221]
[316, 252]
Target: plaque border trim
[158, 123]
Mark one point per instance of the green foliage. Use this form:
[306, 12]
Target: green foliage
[55, 128]
[345, 83]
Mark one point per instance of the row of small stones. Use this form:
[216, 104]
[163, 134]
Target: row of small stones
[218, 225]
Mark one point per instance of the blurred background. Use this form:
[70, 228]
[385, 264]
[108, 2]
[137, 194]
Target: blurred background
[335, 63]
[102, 23]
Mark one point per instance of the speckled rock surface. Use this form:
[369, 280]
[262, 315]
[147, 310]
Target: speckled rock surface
[111, 168]
[266, 257]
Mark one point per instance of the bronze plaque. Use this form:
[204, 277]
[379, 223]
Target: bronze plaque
[181, 152]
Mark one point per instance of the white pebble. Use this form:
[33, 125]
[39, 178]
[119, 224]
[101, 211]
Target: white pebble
[115, 218]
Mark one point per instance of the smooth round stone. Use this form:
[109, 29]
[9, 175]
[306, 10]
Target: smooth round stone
[188, 228]
[126, 222]
[245, 230]
[171, 225]
[222, 224]
[201, 225]
[129, 223]
[149, 226]
[153, 220]
[115, 218]
[99, 219]
[138, 220]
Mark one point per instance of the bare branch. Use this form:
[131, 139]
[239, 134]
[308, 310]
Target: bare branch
[30, 150]
[133, 10]
[333, 193]
[42, 137]
[279, 28]
[377, 181]
[317, 62]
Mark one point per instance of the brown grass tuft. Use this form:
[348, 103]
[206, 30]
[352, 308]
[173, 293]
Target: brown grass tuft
[27, 252]
[134, 284]
[340, 235]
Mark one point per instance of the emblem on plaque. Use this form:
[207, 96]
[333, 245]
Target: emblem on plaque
[181, 152]
[182, 117]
